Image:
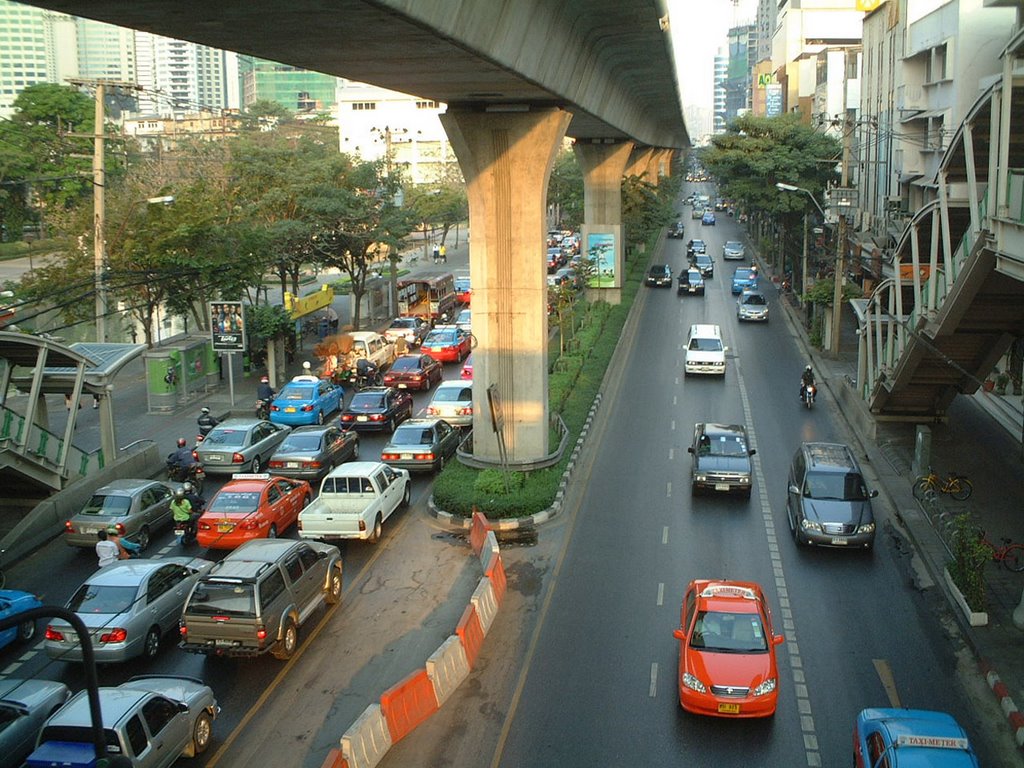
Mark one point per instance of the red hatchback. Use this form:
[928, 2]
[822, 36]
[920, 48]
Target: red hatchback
[727, 664]
[447, 343]
[414, 372]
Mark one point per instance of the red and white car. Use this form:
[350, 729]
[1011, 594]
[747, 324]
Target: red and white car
[447, 343]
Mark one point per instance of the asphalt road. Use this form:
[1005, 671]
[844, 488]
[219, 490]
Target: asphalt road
[580, 666]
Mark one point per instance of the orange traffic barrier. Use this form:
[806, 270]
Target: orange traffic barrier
[367, 740]
[335, 759]
[477, 532]
[447, 667]
[408, 703]
[470, 633]
[496, 573]
[486, 604]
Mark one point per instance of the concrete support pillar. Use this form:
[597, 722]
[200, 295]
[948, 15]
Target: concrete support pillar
[640, 164]
[603, 166]
[664, 161]
[506, 159]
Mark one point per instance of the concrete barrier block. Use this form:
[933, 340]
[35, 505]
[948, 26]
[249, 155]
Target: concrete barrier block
[485, 602]
[368, 739]
[407, 704]
[470, 633]
[489, 549]
[447, 667]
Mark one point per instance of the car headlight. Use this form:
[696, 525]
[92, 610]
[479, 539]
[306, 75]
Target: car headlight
[744, 479]
[766, 687]
[810, 525]
[866, 528]
[693, 683]
[700, 478]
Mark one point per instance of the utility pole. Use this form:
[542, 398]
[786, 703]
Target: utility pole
[841, 204]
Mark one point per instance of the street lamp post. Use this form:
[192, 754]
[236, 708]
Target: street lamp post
[803, 266]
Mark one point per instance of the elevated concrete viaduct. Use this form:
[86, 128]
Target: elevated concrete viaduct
[518, 76]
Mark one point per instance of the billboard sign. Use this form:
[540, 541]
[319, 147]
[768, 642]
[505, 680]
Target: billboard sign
[227, 326]
[773, 100]
[601, 254]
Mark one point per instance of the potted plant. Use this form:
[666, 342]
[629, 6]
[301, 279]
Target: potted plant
[990, 383]
[965, 575]
[1001, 382]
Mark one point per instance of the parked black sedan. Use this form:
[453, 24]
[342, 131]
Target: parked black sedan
[309, 453]
[377, 409]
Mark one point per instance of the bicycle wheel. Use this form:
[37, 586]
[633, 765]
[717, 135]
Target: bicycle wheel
[960, 488]
[1013, 557]
[921, 487]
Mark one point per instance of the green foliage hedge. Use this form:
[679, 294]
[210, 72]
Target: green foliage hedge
[572, 388]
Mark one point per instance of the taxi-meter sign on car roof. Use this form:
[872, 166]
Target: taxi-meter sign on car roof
[227, 326]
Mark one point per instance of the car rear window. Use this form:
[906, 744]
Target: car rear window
[300, 443]
[225, 437]
[453, 394]
[403, 323]
[366, 401]
[231, 598]
[412, 436]
[404, 364]
[96, 599]
[837, 486]
[235, 501]
[346, 485]
[297, 393]
[439, 337]
[101, 504]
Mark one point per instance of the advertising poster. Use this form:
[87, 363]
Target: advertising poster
[227, 326]
[601, 253]
[773, 100]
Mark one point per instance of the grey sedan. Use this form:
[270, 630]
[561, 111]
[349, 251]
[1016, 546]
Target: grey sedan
[135, 508]
[127, 607]
[240, 445]
[24, 707]
[309, 453]
[421, 444]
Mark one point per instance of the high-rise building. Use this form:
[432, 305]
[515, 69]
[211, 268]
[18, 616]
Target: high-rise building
[104, 50]
[28, 51]
[720, 75]
[742, 58]
[179, 77]
[297, 90]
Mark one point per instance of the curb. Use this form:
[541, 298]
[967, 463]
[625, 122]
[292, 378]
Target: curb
[1006, 703]
[458, 522]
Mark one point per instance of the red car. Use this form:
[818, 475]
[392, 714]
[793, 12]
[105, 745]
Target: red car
[414, 372]
[467, 369]
[463, 290]
[447, 343]
[251, 506]
[727, 664]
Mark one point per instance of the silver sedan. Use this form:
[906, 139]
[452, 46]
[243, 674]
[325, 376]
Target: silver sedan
[240, 445]
[309, 453]
[24, 707]
[127, 607]
[135, 508]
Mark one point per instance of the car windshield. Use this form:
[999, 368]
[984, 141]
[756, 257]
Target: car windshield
[300, 443]
[235, 501]
[733, 245]
[412, 436]
[754, 299]
[95, 598]
[838, 486]
[705, 345]
[724, 632]
[405, 364]
[722, 445]
[453, 394]
[103, 504]
[297, 393]
[211, 598]
[659, 269]
[366, 401]
[225, 437]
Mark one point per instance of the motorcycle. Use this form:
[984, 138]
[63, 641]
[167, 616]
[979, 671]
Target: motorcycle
[262, 409]
[186, 531]
[810, 392]
[193, 473]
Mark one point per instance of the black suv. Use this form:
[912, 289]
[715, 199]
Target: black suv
[828, 503]
[696, 246]
[721, 458]
[660, 275]
[705, 264]
[677, 230]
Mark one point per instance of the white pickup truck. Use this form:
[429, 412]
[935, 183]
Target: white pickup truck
[355, 500]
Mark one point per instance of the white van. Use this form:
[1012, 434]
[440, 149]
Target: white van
[705, 352]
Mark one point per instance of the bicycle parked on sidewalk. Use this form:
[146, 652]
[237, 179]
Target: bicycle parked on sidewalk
[1008, 553]
[957, 486]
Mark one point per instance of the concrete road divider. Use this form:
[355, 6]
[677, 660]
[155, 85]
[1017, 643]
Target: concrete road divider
[366, 742]
[408, 703]
[490, 549]
[335, 759]
[477, 532]
[486, 604]
[447, 667]
[471, 634]
[495, 571]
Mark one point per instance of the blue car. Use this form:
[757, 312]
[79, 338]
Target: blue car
[13, 602]
[910, 737]
[306, 400]
[708, 218]
[743, 279]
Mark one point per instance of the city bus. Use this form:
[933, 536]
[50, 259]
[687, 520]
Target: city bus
[430, 295]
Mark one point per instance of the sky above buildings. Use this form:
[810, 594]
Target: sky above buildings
[699, 29]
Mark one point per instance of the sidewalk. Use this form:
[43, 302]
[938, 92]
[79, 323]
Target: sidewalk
[981, 439]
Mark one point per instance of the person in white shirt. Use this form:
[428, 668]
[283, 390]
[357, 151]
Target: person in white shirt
[106, 550]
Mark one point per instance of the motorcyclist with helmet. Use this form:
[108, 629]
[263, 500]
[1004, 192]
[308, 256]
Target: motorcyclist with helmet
[806, 379]
[206, 421]
[195, 499]
[180, 462]
[366, 372]
[184, 518]
[265, 395]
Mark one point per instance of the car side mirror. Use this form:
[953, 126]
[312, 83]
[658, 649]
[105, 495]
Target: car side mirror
[872, 494]
[752, 451]
[690, 449]
[794, 489]
[725, 349]
[182, 706]
[679, 634]
[778, 639]
[321, 555]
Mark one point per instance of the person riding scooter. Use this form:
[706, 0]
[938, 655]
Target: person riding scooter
[184, 518]
[180, 461]
[806, 379]
[206, 422]
[366, 373]
[194, 497]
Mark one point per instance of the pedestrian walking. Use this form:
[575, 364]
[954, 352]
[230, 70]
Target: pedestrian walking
[443, 253]
[437, 253]
[106, 550]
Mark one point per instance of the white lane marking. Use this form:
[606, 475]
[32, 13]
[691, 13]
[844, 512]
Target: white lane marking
[654, 680]
[888, 681]
[668, 493]
[664, 535]
[675, 399]
[671, 453]
[800, 690]
[661, 593]
[673, 423]
[10, 668]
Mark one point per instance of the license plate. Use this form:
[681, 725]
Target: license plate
[838, 541]
[225, 528]
[214, 458]
[223, 643]
[293, 464]
[403, 386]
[721, 486]
[406, 456]
[88, 530]
[362, 418]
[289, 409]
[729, 709]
